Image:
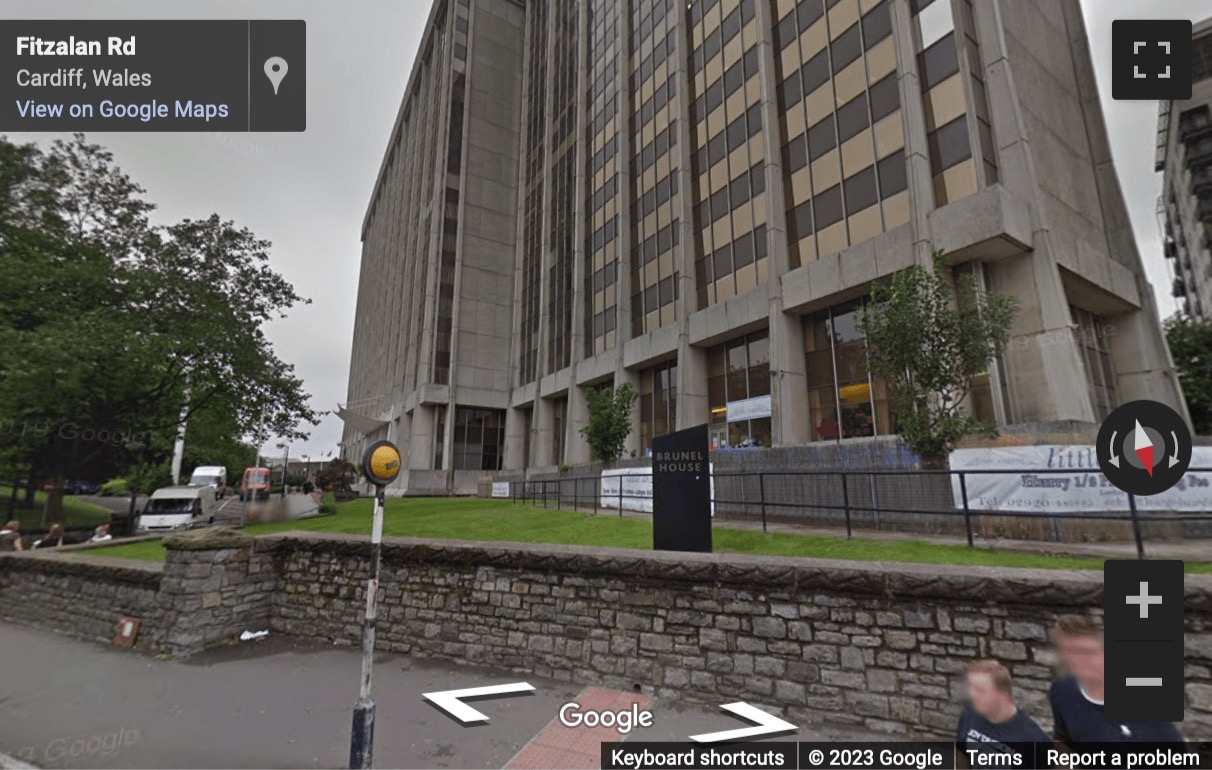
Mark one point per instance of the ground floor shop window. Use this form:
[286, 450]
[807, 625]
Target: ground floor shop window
[738, 391]
[479, 437]
[844, 401]
[658, 402]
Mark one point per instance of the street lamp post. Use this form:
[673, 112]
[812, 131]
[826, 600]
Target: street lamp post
[285, 465]
[380, 465]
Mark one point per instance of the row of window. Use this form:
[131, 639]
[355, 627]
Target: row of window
[715, 41]
[857, 193]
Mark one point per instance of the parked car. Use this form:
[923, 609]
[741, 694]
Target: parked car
[211, 476]
[80, 487]
[175, 508]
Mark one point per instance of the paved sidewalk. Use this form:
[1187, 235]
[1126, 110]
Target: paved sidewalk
[285, 703]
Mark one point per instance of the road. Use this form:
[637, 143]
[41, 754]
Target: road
[285, 703]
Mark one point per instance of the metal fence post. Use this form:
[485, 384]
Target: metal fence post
[846, 504]
[967, 511]
[596, 489]
[762, 497]
[1140, 542]
[621, 494]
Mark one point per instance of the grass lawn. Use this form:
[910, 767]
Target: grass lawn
[502, 520]
[76, 512]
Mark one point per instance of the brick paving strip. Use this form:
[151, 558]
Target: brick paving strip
[558, 746]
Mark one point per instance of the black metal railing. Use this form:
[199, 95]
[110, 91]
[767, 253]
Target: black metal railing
[912, 501]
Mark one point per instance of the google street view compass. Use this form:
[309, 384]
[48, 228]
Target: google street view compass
[1144, 447]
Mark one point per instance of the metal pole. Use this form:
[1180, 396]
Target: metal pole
[846, 504]
[1140, 542]
[362, 738]
[967, 511]
[762, 497]
[621, 477]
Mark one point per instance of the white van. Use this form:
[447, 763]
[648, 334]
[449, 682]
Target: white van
[210, 476]
[175, 508]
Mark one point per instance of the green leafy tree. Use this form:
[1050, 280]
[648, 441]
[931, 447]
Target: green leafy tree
[928, 335]
[1191, 347]
[110, 323]
[609, 422]
[337, 476]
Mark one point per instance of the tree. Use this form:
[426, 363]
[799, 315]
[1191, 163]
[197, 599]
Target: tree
[337, 476]
[927, 337]
[1191, 346]
[609, 421]
[111, 324]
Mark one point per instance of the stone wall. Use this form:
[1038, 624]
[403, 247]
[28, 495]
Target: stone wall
[79, 597]
[866, 644]
[213, 585]
[874, 645]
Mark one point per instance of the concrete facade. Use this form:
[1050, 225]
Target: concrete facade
[691, 196]
[1184, 155]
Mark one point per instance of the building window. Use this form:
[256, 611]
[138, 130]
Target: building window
[844, 401]
[479, 435]
[1201, 59]
[658, 402]
[1096, 354]
[559, 417]
[738, 391]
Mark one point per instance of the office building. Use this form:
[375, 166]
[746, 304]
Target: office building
[693, 197]
[1184, 155]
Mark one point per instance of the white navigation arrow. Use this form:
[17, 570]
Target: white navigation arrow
[766, 723]
[451, 701]
[1114, 457]
[1174, 457]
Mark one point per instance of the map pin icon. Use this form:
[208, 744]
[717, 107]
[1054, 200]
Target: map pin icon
[275, 70]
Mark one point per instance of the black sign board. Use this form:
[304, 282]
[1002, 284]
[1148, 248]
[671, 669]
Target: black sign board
[681, 491]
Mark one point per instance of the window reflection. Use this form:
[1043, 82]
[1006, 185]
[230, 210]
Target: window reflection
[844, 401]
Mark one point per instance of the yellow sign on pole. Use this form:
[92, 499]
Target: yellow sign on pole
[381, 463]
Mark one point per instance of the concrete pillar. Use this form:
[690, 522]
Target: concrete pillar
[576, 449]
[515, 440]
[788, 373]
[420, 443]
[623, 240]
[917, 153]
[1143, 366]
[692, 362]
[1043, 362]
[632, 444]
[437, 196]
[541, 443]
[1045, 374]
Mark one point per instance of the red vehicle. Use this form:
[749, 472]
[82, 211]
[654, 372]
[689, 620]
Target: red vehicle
[255, 484]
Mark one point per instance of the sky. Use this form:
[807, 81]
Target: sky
[307, 192]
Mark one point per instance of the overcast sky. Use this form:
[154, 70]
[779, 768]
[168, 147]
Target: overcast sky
[307, 192]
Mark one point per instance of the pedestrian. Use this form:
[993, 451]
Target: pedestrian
[52, 539]
[1077, 697]
[101, 534]
[990, 722]
[10, 537]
